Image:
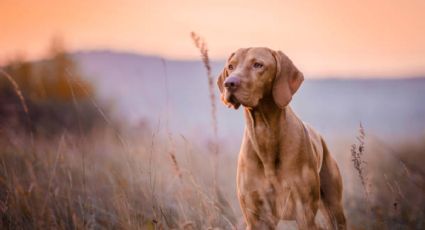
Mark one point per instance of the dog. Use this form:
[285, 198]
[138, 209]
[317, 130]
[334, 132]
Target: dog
[285, 170]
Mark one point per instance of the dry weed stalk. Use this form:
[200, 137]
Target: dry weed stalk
[22, 100]
[17, 90]
[357, 152]
[203, 49]
[102, 113]
[171, 145]
[202, 46]
[221, 204]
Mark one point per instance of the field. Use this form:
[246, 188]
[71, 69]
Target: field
[69, 164]
[102, 180]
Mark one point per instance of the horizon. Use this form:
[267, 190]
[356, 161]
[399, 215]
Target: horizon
[322, 38]
[216, 61]
[198, 59]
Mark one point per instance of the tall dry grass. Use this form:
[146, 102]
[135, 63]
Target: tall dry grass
[203, 49]
[109, 179]
[17, 90]
[392, 184]
[21, 97]
[200, 43]
[106, 180]
[171, 144]
[50, 185]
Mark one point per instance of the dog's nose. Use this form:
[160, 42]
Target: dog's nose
[232, 83]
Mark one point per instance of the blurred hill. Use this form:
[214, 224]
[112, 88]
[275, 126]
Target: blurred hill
[137, 85]
[47, 96]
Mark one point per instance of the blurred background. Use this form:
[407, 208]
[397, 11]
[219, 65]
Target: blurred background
[106, 119]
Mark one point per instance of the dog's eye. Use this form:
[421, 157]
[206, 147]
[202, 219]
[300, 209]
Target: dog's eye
[258, 65]
[230, 67]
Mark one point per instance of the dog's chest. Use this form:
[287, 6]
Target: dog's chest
[265, 142]
[266, 139]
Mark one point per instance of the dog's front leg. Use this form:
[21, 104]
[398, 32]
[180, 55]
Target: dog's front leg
[258, 210]
[306, 196]
[305, 216]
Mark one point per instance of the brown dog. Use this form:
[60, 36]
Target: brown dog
[284, 170]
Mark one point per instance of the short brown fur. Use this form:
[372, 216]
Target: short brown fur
[285, 170]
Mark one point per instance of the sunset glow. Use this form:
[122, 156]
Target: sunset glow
[329, 37]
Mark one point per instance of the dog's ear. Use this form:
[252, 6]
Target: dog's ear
[287, 81]
[220, 81]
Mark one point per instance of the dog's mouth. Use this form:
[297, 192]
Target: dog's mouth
[231, 98]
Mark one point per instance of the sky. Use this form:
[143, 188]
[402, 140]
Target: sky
[379, 38]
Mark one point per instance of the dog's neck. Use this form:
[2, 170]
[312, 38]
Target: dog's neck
[266, 114]
[268, 128]
[264, 125]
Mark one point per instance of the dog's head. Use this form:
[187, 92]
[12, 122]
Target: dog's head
[250, 74]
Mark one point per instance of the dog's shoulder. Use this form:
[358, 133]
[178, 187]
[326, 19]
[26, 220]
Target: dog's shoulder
[312, 133]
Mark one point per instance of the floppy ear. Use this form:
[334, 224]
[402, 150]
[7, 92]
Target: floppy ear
[220, 82]
[287, 81]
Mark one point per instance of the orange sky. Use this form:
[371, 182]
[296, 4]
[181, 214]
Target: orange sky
[329, 37]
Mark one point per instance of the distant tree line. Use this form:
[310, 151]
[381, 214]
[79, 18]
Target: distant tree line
[54, 90]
